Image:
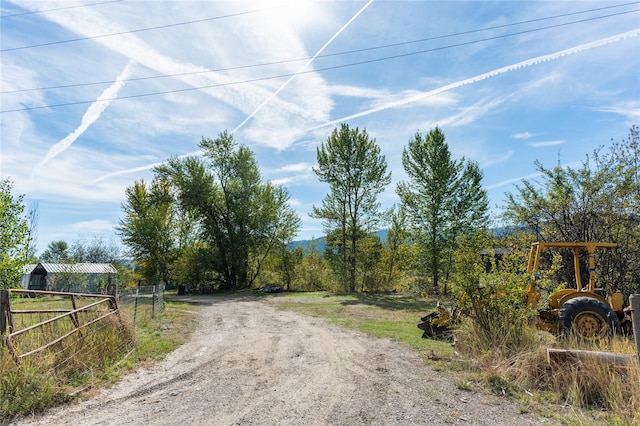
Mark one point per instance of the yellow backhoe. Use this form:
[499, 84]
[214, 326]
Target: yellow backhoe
[586, 310]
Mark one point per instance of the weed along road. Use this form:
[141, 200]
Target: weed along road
[251, 364]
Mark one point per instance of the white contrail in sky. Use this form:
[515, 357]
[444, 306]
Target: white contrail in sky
[286, 83]
[523, 64]
[571, 165]
[141, 52]
[259, 107]
[493, 73]
[93, 113]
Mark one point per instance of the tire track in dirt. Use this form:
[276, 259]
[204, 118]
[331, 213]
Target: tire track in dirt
[250, 364]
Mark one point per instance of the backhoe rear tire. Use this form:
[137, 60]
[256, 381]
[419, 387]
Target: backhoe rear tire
[587, 318]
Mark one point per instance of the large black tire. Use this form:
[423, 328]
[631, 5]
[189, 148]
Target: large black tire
[587, 318]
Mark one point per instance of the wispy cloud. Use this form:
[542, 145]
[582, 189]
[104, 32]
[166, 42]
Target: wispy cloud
[245, 98]
[422, 95]
[495, 159]
[282, 181]
[298, 167]
[524, 135]
[530, 176]
[630, 110]
[469, 114]
[93, 113]
[511, 181]
[141, 168]
[543, 144]
[93, 225]
[358, 92]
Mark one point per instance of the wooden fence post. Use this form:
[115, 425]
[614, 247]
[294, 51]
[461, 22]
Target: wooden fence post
[4, 310]
[634, 301]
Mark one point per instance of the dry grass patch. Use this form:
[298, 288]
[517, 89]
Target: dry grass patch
[577, 391]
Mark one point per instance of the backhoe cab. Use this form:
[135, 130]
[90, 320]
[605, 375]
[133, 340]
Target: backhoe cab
[585, 310]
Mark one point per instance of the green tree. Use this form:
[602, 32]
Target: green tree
[288, 263]
[444, 199]
[314, 270]
[13, 236]
[149, 229]
[369, 255]
[597, 201]
[56, 252]
[240, 217]
[396, 251]
[95, 251]
[194, 265]
[351, 163]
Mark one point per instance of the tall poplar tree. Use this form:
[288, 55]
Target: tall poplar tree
[443, 198]
[351, 163]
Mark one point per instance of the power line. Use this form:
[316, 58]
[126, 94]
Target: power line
[369, 61]
[261, 10]
[158, 27]
[343, 52]
[59, 8]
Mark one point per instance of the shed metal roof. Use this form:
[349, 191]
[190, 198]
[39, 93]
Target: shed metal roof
[79, 268]
[26, 269]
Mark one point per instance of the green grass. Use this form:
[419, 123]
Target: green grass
[391, 316]
[159, 336]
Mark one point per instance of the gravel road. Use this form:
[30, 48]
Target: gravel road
[251, 364]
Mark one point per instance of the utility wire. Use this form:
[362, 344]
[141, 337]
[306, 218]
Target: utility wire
[261, 10]
[348, 52]
[369, 61]
[59, 8]
[177, 24]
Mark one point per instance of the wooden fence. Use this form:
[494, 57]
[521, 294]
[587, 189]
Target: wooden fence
[32, 321]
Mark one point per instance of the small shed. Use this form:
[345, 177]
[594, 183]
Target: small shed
[26, 274]
[73, 277]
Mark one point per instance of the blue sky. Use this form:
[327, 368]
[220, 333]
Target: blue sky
[94, 94]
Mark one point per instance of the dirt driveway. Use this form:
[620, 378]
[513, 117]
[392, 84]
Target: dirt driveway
[250, 364]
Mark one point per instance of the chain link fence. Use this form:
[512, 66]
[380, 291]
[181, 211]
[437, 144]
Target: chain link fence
[142, 303]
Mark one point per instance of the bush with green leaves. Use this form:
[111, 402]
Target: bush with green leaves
[496, 319]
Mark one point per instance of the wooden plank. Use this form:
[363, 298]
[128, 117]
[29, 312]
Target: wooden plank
[562, 356]
[634, 301]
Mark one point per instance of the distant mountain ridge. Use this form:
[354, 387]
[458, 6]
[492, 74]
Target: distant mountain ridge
[320, 243]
